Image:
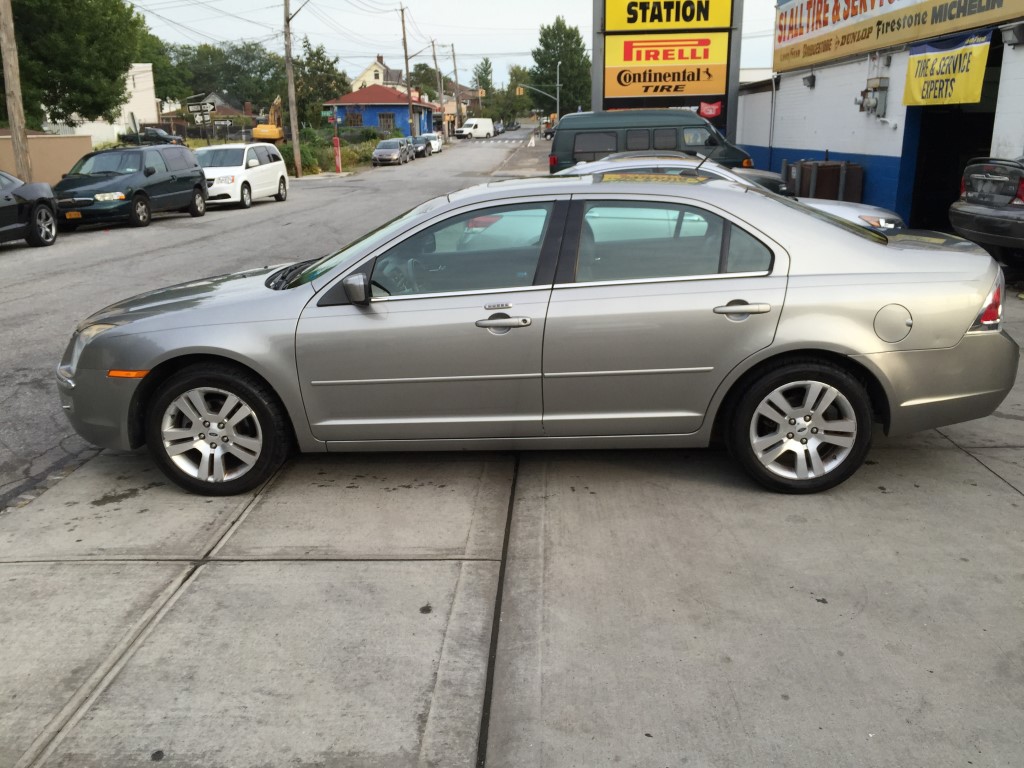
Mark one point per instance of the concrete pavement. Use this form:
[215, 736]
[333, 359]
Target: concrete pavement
[656, 609]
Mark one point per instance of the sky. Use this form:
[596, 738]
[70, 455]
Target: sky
[356, 31]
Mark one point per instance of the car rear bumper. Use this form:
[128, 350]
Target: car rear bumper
[935, 387]
[989, 226]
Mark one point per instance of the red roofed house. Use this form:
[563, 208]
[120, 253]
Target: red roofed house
[386, 109]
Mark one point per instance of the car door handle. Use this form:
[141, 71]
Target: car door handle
[504, 322]
[743, 309]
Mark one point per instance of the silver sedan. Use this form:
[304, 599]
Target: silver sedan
[564, 312]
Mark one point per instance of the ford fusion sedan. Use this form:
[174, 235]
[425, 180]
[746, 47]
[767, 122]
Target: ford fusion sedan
[27, 211]
[238, 173]
[130, 185]
[563, 312]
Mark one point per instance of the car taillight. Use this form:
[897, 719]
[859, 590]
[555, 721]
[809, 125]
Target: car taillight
[1019, 199]
[991, 316]
[552, 161]
[963, 186]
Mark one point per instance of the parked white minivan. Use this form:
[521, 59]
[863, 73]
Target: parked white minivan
[476, 128]
[237, 173]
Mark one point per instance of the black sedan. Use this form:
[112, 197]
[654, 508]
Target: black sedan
[27, 211]
[990, 210]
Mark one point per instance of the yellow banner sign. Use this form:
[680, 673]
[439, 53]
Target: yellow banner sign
[950, 72]
[666, 15]
[666, 65]
[810, 32]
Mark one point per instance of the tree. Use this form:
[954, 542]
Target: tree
[244, 71]
[170, 78]
[74, 59]
[483, 75]
[317, 79]
[424, 78]
[561, 43]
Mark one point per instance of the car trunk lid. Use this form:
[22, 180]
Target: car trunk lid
[994, 182]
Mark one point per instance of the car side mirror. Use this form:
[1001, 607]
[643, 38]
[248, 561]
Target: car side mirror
[357, 288]
[252, 162]
[149, 171]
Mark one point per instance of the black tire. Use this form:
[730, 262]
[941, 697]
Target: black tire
[282, 190]
[801, 427]
[141, 213]
[217, 458]
[197, 206]
[42, 226]
[245, 196]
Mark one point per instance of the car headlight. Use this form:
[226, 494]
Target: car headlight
[224, 180]
[107, 196]
[81, 339]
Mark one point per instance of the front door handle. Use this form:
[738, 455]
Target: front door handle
[743, 308]
[504, 322]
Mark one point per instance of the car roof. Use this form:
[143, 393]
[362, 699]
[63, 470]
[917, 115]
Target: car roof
[236, 145]
[627, 118]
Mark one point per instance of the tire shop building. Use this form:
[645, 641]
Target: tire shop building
[909, 90]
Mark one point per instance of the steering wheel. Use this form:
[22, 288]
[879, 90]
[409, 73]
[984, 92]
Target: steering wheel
[417, 274]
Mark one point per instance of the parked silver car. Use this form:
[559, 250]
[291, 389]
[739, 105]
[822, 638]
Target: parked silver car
[563, 312]
[679, 163]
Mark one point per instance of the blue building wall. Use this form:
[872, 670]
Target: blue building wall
[371, 116]
[888, 181]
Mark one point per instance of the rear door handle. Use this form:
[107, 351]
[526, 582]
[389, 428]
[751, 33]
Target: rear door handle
[504, 322]
[743, 309]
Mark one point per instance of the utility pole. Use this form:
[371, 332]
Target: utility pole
[440, 84]
[408, 74]
[293, 113]
[558, 92]
[458, 92]
[12, 81]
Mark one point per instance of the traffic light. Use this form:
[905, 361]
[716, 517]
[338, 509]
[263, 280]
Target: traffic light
[520, 91]
[482, 93]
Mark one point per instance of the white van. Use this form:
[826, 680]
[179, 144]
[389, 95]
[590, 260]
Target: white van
[476, 128]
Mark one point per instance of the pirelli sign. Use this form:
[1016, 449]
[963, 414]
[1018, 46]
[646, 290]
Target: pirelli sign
[666, 65]
[669, 50]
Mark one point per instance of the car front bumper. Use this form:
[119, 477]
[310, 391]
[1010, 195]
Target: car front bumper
[1002, 227]
[224, 192]
[95, 212]
[105, 421]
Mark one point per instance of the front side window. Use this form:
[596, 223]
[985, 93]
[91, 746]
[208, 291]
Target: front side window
[481, 250]
[641, 240]
[264, 155]
[697, 137]
[155, 160]
[593, 145]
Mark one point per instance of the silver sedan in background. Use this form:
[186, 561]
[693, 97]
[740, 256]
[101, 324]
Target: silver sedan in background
[563, 312]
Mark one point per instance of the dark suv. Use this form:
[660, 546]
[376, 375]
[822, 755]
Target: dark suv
[130, 184]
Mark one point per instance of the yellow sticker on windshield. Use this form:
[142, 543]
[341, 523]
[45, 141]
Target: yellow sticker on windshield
[661, 178]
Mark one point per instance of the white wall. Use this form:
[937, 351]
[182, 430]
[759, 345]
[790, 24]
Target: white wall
[1008, 131]
[753, 122]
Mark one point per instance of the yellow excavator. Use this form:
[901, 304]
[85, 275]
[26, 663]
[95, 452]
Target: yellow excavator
[272, 130]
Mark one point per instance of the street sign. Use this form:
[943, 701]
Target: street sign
[222, 123]
[202, 119]
[325, 113]
[206, 106]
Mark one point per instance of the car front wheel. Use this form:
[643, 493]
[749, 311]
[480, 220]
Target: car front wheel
[802, 427]
[140, 214]
[42, 226]
[245, 196]
[198, 205]
[217, 430]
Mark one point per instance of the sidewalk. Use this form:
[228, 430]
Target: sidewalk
[526, 160]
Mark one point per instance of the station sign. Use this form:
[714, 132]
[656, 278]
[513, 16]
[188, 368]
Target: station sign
[809, 32]
[666, 15]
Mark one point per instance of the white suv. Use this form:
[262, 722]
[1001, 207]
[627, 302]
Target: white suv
[237, 173]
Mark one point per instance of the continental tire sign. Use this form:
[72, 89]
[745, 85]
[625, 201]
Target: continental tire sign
[666, 65]
[811, 32]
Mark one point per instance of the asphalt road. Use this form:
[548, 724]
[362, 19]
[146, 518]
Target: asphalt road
[46, 292]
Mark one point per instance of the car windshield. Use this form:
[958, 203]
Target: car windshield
[108, 162]
[218, 157]
[365, 243]
[419, 140]
[389, 144]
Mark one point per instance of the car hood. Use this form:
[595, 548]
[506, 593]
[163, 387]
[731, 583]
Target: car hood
[221, 170]
[90, 185]
[239, 297]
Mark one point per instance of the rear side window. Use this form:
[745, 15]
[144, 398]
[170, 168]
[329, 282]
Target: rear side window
[593, 145]
[640, 240]
[638, 139]
[664, 138]
[177, 159]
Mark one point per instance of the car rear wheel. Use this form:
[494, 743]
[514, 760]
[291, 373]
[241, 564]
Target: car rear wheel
[141, 214]
[42, 226]
[245, 196]
[282, 191]
[197, 207]
[217, 430]
[802, 427]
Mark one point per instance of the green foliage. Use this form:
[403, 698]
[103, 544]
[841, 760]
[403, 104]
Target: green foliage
[319, 157]
[424, 78]
[483, 75]
[171, 80]
[561, 43]
[74, 58]
[243, 71]
[317, 79]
